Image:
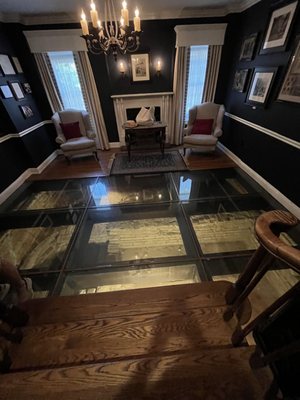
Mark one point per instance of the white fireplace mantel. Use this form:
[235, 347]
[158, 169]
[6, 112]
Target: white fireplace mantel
[122, 102]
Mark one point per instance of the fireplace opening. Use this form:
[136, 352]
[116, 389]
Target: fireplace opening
[131, 113]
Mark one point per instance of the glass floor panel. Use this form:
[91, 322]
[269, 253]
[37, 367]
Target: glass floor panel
[274, 284]
[197, 185]
[41, 195]
[42, 284]
[130, 278]
[234, 182]
[225, 226]
[37, 241]
[119, 234]
[225, 266]
[226, 232]
[135, 189]
[157, 227]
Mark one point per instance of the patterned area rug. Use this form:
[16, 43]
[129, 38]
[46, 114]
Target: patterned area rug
[147, 163]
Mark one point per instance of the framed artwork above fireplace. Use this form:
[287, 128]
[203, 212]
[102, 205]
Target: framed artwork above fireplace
[140, 67]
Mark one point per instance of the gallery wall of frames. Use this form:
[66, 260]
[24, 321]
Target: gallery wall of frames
[264, 89]
[19, 113]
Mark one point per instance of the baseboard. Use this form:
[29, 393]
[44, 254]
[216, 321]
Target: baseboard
[25, 175]
[281, 198]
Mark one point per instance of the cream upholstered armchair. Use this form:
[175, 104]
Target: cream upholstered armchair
[204, 127]
[74, 133]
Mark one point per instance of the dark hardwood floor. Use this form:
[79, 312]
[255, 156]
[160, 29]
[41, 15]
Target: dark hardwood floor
[90, 167]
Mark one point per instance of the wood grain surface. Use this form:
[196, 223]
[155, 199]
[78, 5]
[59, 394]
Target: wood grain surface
[155, 343]
[206, 374]
[119, 337]
[131, 302]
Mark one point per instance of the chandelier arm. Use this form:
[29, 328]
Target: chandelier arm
[115, 18]
[106, 19]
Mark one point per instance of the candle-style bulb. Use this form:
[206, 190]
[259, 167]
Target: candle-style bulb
[124, 4]
[84, 24]
[122, 67]
[137, 21]
[94, 14]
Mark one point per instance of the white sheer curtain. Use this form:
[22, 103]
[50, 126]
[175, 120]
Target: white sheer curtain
[212, 73]
[50, 88]
[67, 80]
[196, 77]
[179, 86]
[90, 91]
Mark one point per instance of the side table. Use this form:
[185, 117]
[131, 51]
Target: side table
[157, 130]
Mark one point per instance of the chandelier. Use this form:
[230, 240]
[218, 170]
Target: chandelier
[116, 35]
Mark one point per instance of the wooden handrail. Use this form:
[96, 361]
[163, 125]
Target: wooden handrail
[268, 226]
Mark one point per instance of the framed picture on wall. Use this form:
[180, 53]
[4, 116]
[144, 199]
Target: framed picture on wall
[17, 90]
[260, 85]
[140, 67]
[240, 80]
[279, 26]
[6, 93]
[26, 87]
[290, 89]
[17, 65]
[6, 65]
[26, 111]
[248, 47]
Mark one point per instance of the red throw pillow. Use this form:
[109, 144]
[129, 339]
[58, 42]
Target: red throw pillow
[71, 130]
[202, 127]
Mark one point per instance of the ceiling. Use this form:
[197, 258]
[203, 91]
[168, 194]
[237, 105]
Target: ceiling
[56, 11]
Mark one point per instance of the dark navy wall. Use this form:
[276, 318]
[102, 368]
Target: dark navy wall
[19, 154]
[158, 39]
[274, 160]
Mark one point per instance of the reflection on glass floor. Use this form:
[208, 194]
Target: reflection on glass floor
[51, 194]
[127, 189]
[133, 278]
[128, 231]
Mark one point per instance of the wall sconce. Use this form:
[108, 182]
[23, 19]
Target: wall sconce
[158, 67]
[122, 68]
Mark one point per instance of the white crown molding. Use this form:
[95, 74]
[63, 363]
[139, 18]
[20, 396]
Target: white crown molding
[50, 19]
[241, 6]
[25, 132]
[281, 198]
[185, 12]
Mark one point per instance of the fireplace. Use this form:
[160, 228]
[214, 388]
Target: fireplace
[128, 105]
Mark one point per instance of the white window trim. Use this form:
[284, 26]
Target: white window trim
[200, 34]
[55, 40]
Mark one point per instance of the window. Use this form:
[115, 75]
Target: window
[196, 77]
[66, 79]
